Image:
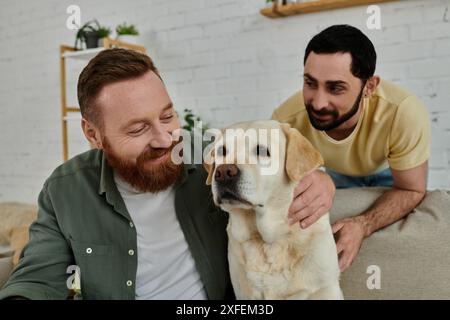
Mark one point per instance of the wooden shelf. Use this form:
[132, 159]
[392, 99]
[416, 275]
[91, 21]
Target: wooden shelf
[73, 109]
[281, 11]
[86, 54]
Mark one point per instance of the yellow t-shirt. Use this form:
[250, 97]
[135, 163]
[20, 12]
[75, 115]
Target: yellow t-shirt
[392, 131]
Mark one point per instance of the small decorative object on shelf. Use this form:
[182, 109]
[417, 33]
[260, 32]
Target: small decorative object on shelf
[86, 31]
[90, 34]
[127, 33]
[276, 2]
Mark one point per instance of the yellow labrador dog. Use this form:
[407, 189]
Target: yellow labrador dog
[268, 258]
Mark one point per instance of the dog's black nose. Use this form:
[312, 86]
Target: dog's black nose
[226, 172]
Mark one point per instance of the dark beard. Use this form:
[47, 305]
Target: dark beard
[336, 121]
[143, 176]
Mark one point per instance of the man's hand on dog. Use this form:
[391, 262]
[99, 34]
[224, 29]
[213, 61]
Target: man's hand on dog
[349, 235]
[313, 198]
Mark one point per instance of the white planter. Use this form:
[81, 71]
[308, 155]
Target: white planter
[129, 39]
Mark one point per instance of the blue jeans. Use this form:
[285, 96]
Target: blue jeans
[381, 179]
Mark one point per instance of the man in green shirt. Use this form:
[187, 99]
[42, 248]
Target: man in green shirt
[135, 225]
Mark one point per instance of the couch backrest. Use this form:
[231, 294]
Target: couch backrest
[412, 255]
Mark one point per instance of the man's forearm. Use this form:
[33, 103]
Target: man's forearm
[389, 208]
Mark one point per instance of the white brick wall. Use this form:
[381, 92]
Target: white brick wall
[218, 57]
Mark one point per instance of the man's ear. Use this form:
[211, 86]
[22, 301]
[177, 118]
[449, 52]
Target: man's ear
[371, 85]
[301, 157]
[92, 134]
[209, 164]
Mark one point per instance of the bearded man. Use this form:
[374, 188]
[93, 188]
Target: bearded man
[131, 222]
[370, 132]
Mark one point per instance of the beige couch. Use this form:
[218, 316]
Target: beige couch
[6, 264]
[412, 255]
[15, 219]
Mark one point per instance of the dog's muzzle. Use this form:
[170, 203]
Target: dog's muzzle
[227, 174]
[227, 177]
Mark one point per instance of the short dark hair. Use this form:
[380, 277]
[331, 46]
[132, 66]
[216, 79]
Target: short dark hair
[344, 38]
[109, 66]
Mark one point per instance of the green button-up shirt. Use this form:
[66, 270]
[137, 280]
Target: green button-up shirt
[83, 221]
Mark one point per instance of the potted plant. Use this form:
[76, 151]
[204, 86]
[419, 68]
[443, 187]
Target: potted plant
[127, 33]
[90, 34]
[192, 121]
[103, 32]
[83, 33]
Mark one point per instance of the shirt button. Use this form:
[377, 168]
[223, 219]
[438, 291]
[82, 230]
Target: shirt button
[131, 224]
[89, 250]
[129, 283]
[131, 252]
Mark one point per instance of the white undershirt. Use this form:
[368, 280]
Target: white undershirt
[166, 269]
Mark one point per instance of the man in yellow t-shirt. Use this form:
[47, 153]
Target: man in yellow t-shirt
[370, 132]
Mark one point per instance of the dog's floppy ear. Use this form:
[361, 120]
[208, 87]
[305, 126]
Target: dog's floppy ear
[209, 161]
[301, 157]
[209, 164]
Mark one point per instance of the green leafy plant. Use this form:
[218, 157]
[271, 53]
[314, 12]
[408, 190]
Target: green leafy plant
[124, 29]
[103, 32]
[190, 120]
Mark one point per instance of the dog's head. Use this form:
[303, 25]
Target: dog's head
[252, 162]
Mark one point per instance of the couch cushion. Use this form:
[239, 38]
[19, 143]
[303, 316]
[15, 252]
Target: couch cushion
[6, 266]
[413, 254]
[19, 239]
[12, 215]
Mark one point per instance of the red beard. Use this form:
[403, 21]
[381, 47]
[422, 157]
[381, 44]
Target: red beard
[143, 175]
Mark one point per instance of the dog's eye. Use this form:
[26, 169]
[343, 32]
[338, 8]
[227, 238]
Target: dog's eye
[262, 151]
[221, 151]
